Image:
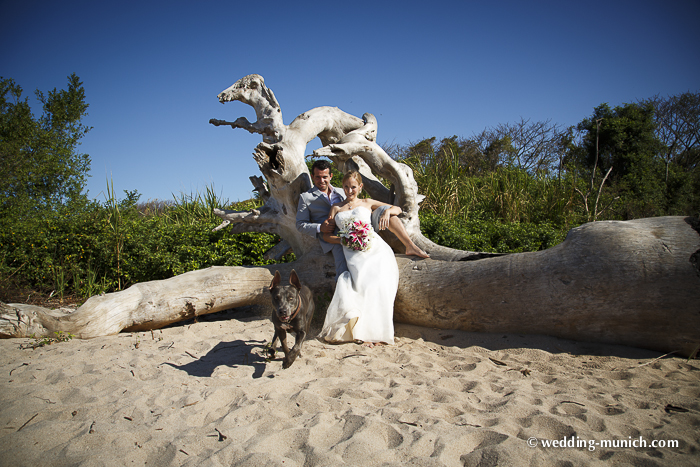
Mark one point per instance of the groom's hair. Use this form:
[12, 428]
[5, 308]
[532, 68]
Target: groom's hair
[320, 164]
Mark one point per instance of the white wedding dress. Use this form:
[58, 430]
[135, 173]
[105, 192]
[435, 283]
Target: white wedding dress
[362, 307]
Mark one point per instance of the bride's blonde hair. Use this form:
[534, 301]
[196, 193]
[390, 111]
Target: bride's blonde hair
[354, 174]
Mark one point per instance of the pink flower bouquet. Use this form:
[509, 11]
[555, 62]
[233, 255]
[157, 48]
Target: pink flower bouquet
[356, 235]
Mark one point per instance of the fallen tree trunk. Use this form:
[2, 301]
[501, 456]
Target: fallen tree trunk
[143, 306]
[634, 283]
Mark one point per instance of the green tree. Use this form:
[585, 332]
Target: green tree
[621, 137]
[40, 166]
[624, 140]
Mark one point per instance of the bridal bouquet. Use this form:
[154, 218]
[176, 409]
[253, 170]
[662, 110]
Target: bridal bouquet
[356, 235]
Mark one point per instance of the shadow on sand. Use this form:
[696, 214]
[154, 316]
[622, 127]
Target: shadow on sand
[231, 354]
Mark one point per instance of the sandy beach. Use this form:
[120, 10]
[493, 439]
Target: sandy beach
[202, 394]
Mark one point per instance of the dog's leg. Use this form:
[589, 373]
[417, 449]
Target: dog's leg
[296, 350]
[271, 349]
[285, 347]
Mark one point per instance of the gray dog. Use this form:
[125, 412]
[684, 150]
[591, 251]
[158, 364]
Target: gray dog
[293, 308]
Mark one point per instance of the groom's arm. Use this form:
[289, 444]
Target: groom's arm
[303, 219]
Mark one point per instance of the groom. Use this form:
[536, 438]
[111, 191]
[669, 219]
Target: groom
[313, 209]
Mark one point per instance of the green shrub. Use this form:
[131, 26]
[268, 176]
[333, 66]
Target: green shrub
[488, 235]
[94, 248]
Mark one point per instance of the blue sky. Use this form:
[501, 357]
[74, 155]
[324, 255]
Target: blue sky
[152, 70]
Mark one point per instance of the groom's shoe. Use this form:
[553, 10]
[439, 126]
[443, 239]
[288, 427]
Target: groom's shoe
[293, 308]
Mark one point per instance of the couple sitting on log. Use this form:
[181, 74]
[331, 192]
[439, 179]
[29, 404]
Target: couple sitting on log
[367, 276]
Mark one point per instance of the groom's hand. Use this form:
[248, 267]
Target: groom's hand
[328, 226]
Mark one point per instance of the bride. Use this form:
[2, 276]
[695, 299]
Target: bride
[362, 307]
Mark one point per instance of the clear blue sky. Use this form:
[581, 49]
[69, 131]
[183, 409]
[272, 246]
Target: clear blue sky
[152, 70]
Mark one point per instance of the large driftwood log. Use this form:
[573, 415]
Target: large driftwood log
[143, 306]
[634, 283]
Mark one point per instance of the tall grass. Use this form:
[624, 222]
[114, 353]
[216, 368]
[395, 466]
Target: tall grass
[506, 194]
[115, 223]
[440, 178]
[187, 209]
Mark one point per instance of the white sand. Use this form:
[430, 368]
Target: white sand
[202, 394]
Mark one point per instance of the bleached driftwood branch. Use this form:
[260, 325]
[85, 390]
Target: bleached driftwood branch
[251, 90]
[361, 144]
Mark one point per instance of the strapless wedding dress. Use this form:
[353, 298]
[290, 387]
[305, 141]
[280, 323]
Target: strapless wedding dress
[362, 307]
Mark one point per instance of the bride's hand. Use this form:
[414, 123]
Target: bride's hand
[384, 220]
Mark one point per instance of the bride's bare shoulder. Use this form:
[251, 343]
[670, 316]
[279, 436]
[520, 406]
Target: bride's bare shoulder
[371, 204]
[336, 208]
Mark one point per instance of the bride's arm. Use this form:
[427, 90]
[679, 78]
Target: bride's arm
[374, 204]
[334, 210]
[384, 220]
[330, 238]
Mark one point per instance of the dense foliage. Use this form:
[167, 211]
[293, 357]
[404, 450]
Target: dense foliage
[40, 168]
[489, 236]
[103, 247]
[513, 188]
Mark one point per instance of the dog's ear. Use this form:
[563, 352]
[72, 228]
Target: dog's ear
[294, 279]
[275, 280]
